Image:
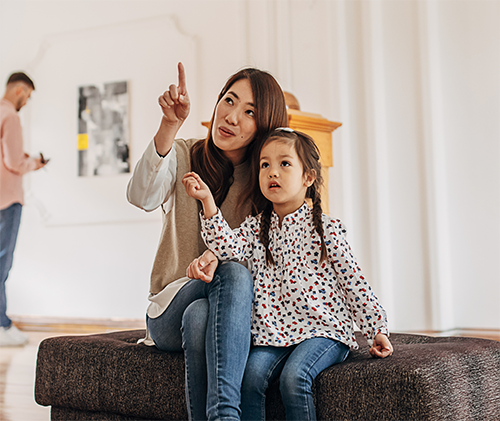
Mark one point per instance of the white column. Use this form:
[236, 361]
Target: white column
[438, 229]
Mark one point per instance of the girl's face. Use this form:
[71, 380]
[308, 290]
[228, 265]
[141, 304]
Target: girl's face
[281, 177]
[234, 124]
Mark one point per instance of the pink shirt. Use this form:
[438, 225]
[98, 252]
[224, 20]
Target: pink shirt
[14, 163]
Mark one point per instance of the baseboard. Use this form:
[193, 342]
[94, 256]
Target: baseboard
[75, 325]
[90, 325]
[473, 333]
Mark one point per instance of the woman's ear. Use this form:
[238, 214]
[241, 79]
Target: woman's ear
[309, 178]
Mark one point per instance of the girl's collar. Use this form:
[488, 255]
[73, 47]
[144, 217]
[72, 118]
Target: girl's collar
[300, 212]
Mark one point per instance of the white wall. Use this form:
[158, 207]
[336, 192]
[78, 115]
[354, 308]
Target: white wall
[416, 177]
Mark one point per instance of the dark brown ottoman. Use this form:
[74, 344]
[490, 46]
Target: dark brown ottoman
[110, 377]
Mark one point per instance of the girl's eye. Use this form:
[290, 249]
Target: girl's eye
[285, 164]
[264, 165]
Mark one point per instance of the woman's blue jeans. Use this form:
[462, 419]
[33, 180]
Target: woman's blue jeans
[10, 219]
[211, 323]
[297, 366]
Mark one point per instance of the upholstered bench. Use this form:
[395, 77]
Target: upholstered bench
[111, 377]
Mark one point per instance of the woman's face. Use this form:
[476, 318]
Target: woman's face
[234, 122]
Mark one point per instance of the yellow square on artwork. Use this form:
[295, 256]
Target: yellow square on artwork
[83, 141]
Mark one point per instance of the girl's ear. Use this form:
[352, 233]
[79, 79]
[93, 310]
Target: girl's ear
[309, 178]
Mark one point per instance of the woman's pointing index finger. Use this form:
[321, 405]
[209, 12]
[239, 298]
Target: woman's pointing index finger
[182, 78]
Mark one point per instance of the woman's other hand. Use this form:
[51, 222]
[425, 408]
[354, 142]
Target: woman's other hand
[203, 267]
[381, 347]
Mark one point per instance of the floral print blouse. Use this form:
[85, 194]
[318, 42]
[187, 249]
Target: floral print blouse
[300, 298]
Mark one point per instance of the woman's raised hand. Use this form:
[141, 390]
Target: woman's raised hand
[174, 102]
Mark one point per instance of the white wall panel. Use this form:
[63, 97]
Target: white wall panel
[470, 54]
[416, 174]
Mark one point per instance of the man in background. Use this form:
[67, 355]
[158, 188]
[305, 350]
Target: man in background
[14, 163]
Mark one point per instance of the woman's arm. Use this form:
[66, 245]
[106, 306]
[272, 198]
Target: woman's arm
[154, 176]
[153, 181]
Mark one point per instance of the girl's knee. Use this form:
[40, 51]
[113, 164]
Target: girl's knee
[254, 383]
[293, 383]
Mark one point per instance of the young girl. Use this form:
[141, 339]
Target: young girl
[308, 287]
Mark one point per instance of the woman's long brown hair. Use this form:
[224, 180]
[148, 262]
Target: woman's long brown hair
[270, 113]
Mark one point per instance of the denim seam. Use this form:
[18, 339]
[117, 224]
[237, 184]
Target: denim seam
[188, 394]
[216, 340]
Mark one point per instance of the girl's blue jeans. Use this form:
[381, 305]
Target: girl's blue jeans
[297, 366]
[10, 219]
[211, 323]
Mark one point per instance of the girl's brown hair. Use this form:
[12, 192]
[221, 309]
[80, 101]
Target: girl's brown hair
[270, 113]
[309, 156]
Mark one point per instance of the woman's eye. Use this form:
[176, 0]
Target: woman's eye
[229, 100]
[251, 113]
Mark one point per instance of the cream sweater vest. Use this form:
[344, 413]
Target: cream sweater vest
[180, 240]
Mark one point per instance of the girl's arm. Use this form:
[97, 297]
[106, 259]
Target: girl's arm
[225, 243]
[362, 303]
[229, 244]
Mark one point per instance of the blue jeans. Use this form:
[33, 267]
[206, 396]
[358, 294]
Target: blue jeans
[10, 219]
[297, 366]
[211, 323]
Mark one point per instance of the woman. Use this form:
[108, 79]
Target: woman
[210, 321]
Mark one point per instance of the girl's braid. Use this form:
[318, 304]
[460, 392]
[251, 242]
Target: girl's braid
[265, 225]
[318, 219]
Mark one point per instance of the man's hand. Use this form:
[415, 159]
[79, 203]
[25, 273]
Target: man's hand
[40, 162]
